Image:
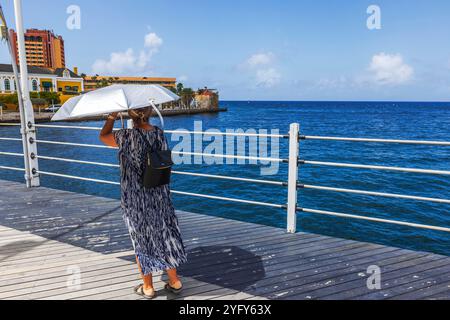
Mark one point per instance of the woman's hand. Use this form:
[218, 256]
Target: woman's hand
[106, 135]
[113, 116]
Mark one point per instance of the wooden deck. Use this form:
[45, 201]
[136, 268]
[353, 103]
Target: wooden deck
[46, 235]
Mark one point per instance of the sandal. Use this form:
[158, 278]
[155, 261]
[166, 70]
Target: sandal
[139, 290]
[169, 288]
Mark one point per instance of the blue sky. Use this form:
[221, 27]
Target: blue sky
[261, 50]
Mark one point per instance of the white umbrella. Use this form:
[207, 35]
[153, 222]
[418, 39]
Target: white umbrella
[115, 98]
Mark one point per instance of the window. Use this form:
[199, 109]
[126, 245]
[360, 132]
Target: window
[35, 85]
[7, 85]
[66, 74]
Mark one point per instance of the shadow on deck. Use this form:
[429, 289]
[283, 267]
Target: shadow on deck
[49, 236]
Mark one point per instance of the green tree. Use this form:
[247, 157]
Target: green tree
[50, 97]
[180, 88]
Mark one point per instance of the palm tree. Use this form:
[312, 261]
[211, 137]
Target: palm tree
[180, 88]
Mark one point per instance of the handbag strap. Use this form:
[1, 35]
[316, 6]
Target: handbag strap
[146, 141]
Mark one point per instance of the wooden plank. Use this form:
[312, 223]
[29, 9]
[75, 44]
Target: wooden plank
[390, 279]
[355, 279]
[411, 280]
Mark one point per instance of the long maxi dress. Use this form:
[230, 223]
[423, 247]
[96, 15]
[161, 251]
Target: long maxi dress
[148, 213]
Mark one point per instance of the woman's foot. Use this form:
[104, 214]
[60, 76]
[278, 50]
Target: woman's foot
[174, 287]
[146, 292]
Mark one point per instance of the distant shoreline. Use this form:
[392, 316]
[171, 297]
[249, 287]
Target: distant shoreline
[14, 117]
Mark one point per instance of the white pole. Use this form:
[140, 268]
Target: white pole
[294, 152]
[6, 35]
[28, 107]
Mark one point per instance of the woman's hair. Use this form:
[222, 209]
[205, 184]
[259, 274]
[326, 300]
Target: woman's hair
[140, 116]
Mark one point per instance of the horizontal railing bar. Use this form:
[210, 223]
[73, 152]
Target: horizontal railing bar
[277, 183]
[351, 216]
[11, 154]
[174, 152]
[75, 144]
[173, 191]
[262, 135]
[376, 194]
[439, 143]
[422, 142]
[10, 139]
[71, 127]
[279, 206]
[10, 124]
[102, 164]
[361, 166]
[205, 133]
[12, 168]
[77, 178]
[230, 156]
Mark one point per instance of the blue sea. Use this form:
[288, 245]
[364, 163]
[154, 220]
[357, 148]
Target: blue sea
[389, 120]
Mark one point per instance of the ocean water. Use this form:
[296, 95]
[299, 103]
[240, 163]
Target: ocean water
[421, 121]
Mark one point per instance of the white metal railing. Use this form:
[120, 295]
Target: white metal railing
[371, 167]
[361, 166]
[292, 187]
[423, 142]
[292, 184]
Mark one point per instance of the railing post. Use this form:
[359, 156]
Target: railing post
[294, 152]
[29, 130]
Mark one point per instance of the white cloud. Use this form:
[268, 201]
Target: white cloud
[268, 78]
[390, 69]
[261, 67]
[260, 59]
[152, 41]
[129, 62]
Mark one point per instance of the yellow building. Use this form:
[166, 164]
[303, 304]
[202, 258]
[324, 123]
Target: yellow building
[94, 82]
[62, 80]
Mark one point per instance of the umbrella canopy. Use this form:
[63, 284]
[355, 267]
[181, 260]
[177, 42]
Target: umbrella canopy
[115, 98]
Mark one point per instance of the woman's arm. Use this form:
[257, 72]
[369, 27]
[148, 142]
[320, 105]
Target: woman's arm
[106, 135]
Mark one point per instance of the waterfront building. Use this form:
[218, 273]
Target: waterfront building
[43, 48]
[62, 80]
[207, 99]
[95, 82]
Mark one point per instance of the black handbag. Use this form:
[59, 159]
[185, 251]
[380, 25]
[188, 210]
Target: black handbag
[158, 167]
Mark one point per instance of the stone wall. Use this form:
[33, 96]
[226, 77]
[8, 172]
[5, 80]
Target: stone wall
[207, 101]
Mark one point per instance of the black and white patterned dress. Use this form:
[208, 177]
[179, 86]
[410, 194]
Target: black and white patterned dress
[148, 213]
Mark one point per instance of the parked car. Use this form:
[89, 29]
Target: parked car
[54, 108]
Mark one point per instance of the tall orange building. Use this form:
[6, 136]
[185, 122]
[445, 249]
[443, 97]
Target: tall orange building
[43, 48]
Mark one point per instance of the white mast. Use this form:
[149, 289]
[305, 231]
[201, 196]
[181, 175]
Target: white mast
[28, 107]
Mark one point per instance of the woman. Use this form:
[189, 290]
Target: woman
[148, 213]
